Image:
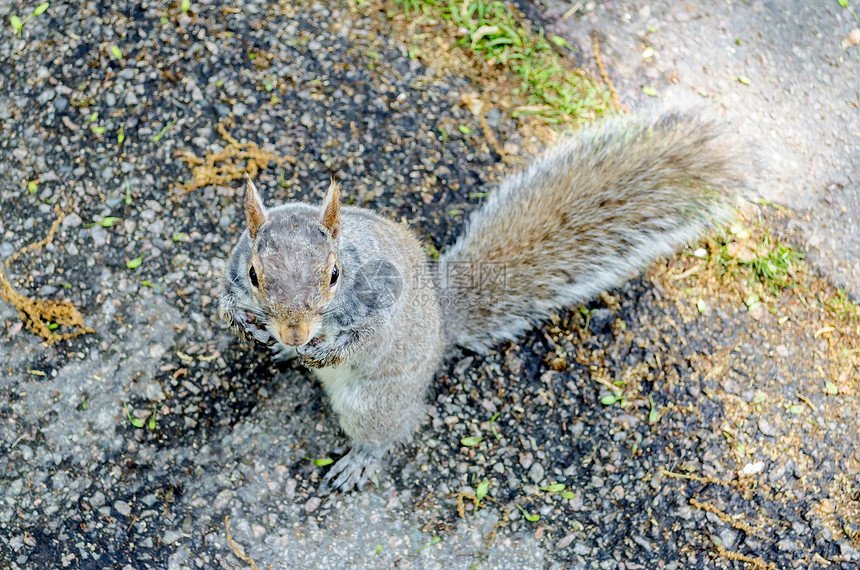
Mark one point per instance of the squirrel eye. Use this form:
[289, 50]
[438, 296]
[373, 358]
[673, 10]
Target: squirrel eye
[335, 273]
[252, 275]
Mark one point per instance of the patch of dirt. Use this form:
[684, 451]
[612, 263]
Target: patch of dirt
[43, 316]
[233, 162]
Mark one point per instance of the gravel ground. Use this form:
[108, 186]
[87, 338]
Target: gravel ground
[712, 457]
[801, 102]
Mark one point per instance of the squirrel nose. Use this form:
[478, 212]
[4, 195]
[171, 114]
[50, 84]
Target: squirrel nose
[294, 335]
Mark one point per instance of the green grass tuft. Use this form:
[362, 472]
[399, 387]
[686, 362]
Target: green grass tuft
[767, 262]
[555, 93]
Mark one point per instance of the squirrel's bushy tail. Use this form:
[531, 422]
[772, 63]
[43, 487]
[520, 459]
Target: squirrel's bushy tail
[595, 209]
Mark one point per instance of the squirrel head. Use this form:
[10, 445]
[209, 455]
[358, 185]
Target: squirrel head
[293, 270]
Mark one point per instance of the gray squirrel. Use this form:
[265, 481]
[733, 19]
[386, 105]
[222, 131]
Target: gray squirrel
[354, 297]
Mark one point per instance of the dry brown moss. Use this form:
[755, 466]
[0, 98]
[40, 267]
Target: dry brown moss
[814, 321]
[234, 162]
[796, 296]
[753, 561]
[238, 550]
[38, 314]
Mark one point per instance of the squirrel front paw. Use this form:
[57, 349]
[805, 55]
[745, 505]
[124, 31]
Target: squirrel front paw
[319, 353]
[247, 326]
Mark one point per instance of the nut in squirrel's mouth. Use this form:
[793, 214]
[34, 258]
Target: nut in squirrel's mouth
[297, 334]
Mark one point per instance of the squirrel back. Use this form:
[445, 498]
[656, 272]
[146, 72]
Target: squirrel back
[582, 218]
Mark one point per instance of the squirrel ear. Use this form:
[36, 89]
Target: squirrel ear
[331, 210]
[255, 211]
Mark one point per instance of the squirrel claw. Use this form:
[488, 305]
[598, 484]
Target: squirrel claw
[319, 353]
[247, 326]
[352, 470]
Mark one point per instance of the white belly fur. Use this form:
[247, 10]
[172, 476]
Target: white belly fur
[334, 377]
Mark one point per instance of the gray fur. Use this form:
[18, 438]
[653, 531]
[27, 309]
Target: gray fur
[594, 210]
[375, 377]
[589, 213]
[237, 303]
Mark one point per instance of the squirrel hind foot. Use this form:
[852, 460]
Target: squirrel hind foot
[353, 470]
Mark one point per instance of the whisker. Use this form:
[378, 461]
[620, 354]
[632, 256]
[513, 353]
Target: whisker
[254, 311]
